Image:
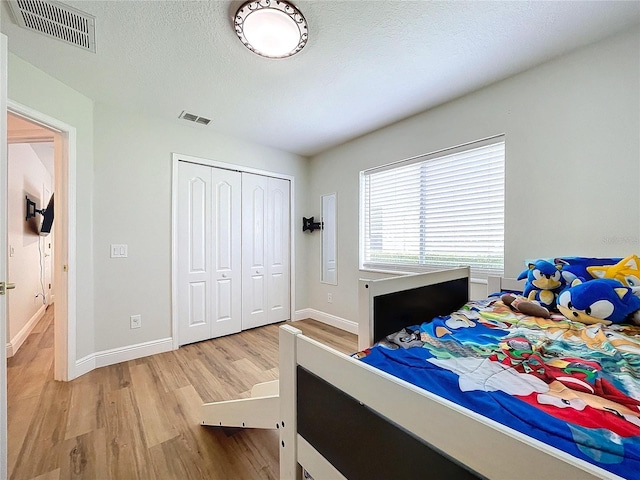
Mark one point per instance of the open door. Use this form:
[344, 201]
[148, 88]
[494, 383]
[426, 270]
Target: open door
[3, 255]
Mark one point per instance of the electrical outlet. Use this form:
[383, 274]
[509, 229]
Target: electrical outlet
[136, 321]
[329, 298]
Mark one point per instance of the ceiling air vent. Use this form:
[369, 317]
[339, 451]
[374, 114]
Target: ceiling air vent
[194, 118]
[56, 20]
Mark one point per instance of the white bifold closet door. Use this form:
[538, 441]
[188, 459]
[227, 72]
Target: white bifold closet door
[209, 259]
[233, 251]
[265, 250]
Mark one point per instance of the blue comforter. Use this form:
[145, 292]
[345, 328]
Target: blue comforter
[573, 386]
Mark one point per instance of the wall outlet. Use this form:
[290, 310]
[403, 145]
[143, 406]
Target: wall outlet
[136, 321]
[329, 297]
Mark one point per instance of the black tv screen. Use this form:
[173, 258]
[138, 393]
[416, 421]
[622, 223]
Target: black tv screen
[47, 220]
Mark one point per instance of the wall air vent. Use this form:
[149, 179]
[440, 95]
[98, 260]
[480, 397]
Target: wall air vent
[194, 118]
[56, 20]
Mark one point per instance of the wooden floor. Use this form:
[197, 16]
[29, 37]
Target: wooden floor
[140, 419]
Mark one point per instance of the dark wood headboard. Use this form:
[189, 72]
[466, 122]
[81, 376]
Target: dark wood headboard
[387, 305]
[394, 311]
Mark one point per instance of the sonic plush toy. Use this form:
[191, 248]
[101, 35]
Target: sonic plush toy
[579, 267]
[544, 282]
[627, 271]
[598, 301]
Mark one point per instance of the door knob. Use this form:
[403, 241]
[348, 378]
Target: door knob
[6, 286]
[224, 275]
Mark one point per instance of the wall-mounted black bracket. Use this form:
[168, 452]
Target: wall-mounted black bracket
[31, 209]
[309, 225]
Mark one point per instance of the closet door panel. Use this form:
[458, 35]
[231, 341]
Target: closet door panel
[194, 259]
[278, 250]
[254, 288]
[227, 271]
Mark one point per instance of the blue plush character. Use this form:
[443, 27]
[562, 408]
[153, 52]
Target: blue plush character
[544, 282]
[579, 267]
[598, 301]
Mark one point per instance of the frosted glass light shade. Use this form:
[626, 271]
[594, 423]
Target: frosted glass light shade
[271, 28]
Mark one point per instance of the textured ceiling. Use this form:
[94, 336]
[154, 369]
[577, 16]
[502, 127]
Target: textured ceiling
[367, 64]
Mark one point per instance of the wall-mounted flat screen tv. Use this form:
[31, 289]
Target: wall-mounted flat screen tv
[47, 218]
[40, 227]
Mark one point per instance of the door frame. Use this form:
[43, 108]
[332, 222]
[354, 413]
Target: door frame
[4, 53]
[64, 228]
[176, 158]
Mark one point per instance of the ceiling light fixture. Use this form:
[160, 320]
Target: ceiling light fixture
[271, 28]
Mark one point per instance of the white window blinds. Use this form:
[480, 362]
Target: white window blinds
[440, 210]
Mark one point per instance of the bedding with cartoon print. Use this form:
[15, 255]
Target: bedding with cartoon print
[570, 385]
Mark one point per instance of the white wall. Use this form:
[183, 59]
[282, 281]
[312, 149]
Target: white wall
[573, 154]
[35, 89]
[132, 195]
[26, 176]
[124, 196]
[572, 131]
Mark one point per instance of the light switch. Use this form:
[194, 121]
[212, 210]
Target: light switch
[12, 251]
[119, 251]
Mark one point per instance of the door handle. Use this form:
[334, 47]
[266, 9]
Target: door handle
[6, 286]
[224, 275]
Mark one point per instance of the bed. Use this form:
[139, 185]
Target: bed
[341, 417]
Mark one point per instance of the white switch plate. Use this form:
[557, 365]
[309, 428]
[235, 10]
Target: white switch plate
[12, 251]
[119, 250]
[329, 298]
[136, 321]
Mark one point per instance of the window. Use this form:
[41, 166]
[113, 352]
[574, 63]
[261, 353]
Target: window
[444, 209]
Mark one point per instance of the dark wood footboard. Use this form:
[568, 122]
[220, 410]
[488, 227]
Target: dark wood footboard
[360, 443]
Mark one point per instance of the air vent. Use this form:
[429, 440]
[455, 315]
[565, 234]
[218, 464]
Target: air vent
[56, 20]
[194, 118]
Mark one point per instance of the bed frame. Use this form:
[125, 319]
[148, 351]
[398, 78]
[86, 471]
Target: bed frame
[341, 418]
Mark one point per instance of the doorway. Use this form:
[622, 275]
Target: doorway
[30, 183]
[27, 126]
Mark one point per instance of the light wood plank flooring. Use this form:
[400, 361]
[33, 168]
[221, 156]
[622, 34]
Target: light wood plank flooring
[140, 419]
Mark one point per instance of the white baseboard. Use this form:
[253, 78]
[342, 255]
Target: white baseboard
[338, 322]
[84, 365]
[122, 354]
[16, 342]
